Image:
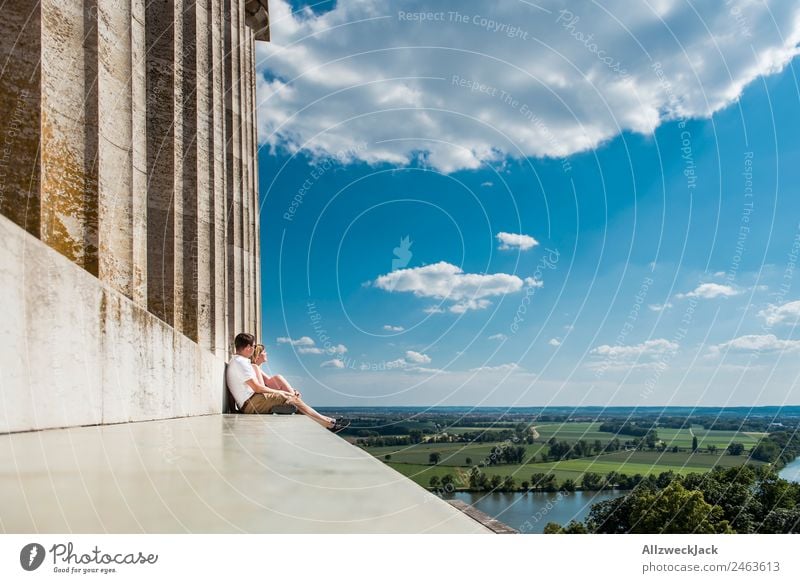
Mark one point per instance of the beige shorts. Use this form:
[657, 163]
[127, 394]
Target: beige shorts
[262, 404]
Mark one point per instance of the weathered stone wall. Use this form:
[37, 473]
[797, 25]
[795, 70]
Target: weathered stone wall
[78, 352]
[128, 146]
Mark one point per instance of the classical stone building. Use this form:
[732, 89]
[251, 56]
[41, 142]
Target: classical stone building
[129, 203]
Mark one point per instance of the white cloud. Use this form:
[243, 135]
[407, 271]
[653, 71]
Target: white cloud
[417, 357]
[515, 241]
[660, 307]
[487, 184]
[311, 350]
[709, 291]
[649, 348]
[554, 342]
[333, 363]
[361, 82]
[303, 341]
[433, 310]
[390, 328]
[755, 343]
[498, 336]
[337, 349]
[774, 314]
[508, 367]
[444, 281]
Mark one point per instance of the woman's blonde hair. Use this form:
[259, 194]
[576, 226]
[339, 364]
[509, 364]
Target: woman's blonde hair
[258, 349]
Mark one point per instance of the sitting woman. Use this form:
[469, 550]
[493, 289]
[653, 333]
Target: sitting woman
[279, 383]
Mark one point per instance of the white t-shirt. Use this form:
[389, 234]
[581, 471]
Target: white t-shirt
[240, 370]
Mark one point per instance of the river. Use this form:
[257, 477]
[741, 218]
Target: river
[791, 471]
[530, 512]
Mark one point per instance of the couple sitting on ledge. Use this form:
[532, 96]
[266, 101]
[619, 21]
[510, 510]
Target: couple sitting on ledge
[257, 393]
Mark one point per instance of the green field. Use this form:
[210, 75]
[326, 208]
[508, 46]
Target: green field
[629, 463]
[412, 460]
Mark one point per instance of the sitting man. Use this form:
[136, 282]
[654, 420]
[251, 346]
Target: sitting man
[252, 396]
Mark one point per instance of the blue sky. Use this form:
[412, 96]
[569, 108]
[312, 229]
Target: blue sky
[519, 205]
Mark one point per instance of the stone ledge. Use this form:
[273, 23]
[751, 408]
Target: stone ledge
[210, 474]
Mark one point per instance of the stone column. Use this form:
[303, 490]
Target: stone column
[68, 145]
[219, 279]
[162, 83]
[139, 150]
[20, 122]
[257, 198]
[244, 91]
[205, 176]
[117, 201]
[233, 170]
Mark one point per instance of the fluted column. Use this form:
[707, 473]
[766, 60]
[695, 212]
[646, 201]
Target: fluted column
[257, 218]
[139, 150]
[20, 122]
[120, 235]
[205, 176]
[233, 170]
[161, 136]
[247, 223]
[68, 144]
[219, 285]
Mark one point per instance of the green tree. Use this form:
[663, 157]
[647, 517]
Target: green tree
[415, 436]
[468, 461]
[676, 510]
[434, 482]
[591, 481]
[735, 448]
[694, 443]
[387, 457]
[568, 485]
[434, 458]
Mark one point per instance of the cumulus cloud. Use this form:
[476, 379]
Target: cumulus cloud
[648, 348]
[444, 281]
[554, 342]
[307, 345]
[499, 336]
[710, 291]
[333, 363]
[364, 82]
[659, 307]
[755, 343]
[508, 367]
[302, 341]
[780, 314]
[390, 328]
[417, 357]
[515, 241]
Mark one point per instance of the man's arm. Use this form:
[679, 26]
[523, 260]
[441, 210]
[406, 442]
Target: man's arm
[259, 388]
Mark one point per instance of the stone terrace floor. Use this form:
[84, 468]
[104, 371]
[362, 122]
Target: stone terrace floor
[209, 474]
